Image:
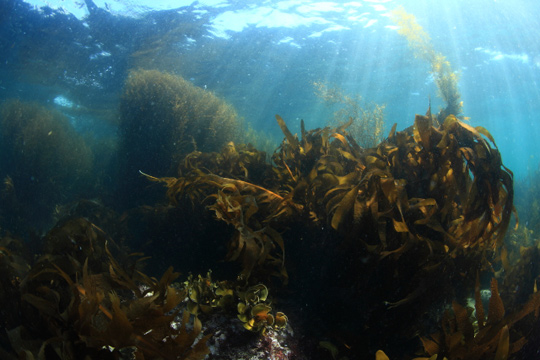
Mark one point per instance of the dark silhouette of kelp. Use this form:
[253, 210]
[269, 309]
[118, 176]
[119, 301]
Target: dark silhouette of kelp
[162, 118]
[44, 161]
[78, 301]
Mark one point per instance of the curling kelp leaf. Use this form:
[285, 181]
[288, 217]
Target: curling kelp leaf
[482, 130]
[344, 207]
[496, 307]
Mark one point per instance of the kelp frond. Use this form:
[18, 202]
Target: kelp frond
[97, 308]
[445, 78]
[420, 188]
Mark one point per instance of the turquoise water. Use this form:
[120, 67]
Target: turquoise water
[77, 131]
[263, 56]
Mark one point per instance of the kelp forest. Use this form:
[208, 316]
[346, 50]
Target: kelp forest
[342, 242]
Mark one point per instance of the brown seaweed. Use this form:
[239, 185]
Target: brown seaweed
[445, 78]
[428, 181]
[496, 337]
[364, 120]
[80, 301]
[44, 161]
[420, 205]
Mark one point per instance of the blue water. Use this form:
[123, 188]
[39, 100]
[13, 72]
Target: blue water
[263, 58]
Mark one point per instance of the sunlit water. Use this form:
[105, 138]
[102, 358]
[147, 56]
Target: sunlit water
[263, 57]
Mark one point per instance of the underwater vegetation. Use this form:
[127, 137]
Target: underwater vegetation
[363, 248]
[86, 297]
[43, 161]
[367, 118]
[162, 118]
[400, 229]
[469, 333]
[327, 177]
[445, 78]
[78, 301]
[364, 245]
[528, 202]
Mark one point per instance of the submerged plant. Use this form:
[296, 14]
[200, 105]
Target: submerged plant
[254, 310]
[424, 182]
[78, 301]
[44, 161]
[414, 208]
[467, 335]
[366, 120]
[206, 295]
[445, 78]
[163, 117]
[252, 303]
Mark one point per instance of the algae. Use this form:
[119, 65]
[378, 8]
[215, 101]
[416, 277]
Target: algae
[420, 43]
[44, 161]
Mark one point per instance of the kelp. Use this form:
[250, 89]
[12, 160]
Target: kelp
[85, 296]
[79, 301]
[448, 181]
[205, 295]
[251, 303]
[162, 118]
[254, 310]
[44, 161]
[445, 78]
[422, 208]
[14, 266]
[254, 243]
[367, 117]
[467, 335]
